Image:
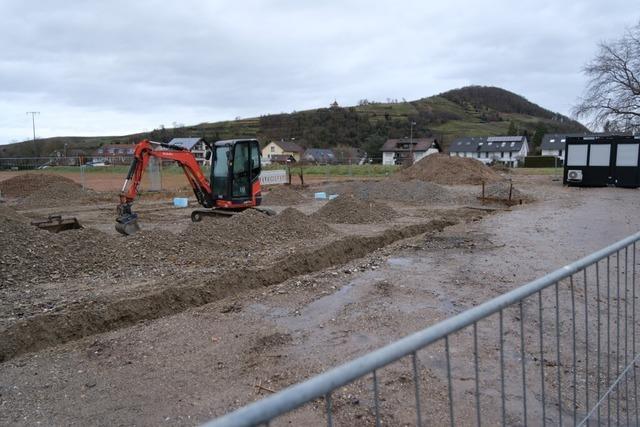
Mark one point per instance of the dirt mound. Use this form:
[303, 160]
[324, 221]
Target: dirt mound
[283, 195]
[8, 213]
[29, 254]
[35, 190]
[349, 209]
[402, 191]
[500, 190]
[448, 170]
[254, 229]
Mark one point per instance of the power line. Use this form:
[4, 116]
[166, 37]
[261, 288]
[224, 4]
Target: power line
[33, 122]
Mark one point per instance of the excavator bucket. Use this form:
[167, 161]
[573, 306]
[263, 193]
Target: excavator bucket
[128, 228]
[127, 221]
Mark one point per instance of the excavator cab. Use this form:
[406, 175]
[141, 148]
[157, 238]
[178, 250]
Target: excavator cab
[235, 173]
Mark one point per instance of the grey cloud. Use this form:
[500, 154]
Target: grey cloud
[146, 62]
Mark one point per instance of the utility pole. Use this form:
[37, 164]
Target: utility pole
[411, 141]
[33, 122]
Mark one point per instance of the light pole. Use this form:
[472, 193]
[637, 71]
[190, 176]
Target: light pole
[411, 140]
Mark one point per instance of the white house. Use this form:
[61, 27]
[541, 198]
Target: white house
[509, 150]
[399, 151]
[196, 146]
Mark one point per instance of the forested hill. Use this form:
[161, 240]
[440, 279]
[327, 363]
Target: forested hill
[469, 111]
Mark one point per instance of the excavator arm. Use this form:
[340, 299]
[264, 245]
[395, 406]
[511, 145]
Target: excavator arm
[127, 220]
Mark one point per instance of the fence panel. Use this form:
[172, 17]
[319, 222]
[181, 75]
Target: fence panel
[271, 177]
[558, 350]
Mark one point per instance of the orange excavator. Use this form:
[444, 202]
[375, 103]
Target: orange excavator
[233, 186]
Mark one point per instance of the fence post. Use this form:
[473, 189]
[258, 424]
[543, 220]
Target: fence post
[82, 177]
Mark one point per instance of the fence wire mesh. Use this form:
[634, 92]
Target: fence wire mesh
[560, 350]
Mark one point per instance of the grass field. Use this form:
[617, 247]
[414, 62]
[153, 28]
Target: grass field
[340, 170]
[539, 171]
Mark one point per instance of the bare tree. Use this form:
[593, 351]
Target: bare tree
[612, 96]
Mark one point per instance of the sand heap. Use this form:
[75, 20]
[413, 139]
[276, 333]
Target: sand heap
[349, 209]
[448, 170]
[43, 190]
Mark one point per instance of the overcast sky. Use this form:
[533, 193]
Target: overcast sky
[115, 67]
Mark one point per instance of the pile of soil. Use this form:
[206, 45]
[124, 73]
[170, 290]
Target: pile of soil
[402, 191]
[448, 170]
[43, 190]
[7, 213]
[253, 229]
[283, 195]
[349, 209]
[28, 253]
[500, 190]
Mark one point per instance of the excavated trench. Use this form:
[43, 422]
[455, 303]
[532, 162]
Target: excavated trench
[101, 315]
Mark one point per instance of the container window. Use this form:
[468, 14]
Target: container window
[577, 155]
[600, 155]
[627, 155]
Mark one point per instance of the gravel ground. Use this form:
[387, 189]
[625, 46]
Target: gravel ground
[200, 363]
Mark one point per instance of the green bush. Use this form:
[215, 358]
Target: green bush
[542, 162]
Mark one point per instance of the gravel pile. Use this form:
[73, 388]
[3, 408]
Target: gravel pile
[30, 254]
[43, 190]
[500, 190]
[283, 195]
[349, 209]
[402, 191]
[448, 170]
[254, 229]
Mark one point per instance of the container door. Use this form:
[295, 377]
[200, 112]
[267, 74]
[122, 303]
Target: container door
[599, 171]
[626, 165]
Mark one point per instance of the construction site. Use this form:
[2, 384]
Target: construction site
[182, 321]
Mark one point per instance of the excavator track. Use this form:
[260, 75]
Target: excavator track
[198, 214]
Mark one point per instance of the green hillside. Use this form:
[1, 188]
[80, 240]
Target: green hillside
[469, 111]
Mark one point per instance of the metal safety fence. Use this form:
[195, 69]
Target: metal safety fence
[560, 350]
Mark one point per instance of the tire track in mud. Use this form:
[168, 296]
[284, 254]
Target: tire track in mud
[49, 329]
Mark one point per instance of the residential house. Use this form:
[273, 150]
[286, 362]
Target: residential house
[405, 150]
[509, 150]
[282, 148]
[196, 146]
[319, 156]
[117, 154]
[281, 159]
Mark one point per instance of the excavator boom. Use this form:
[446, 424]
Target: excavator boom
[127, 220]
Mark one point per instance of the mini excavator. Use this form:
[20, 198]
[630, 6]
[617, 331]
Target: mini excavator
[234, 184]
